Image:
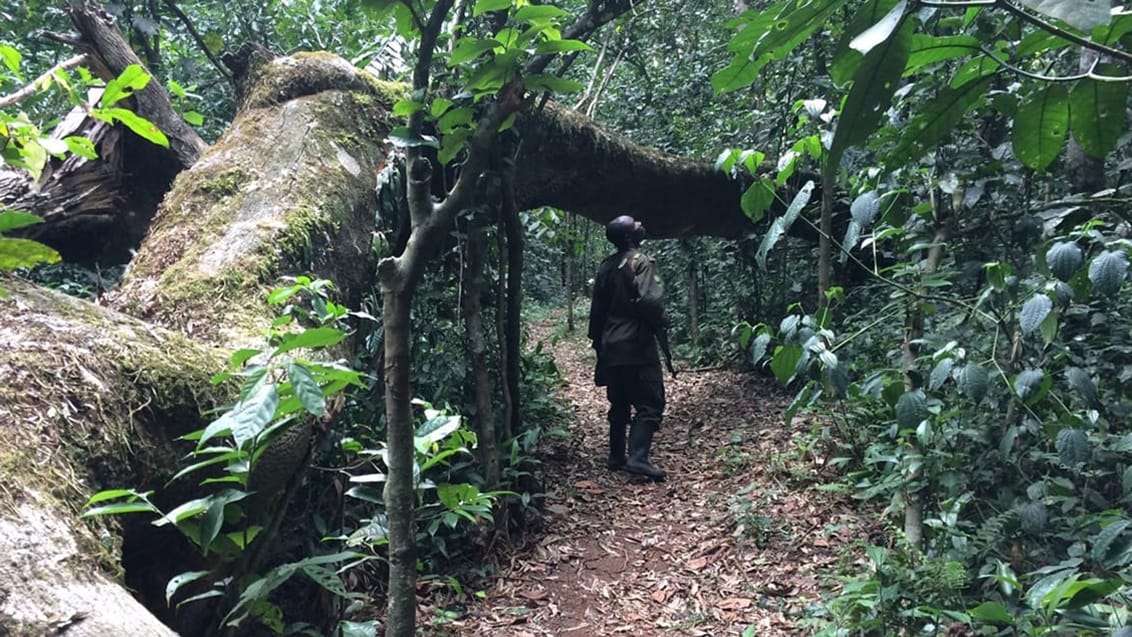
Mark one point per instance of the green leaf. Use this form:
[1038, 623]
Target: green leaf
[1040, 126]
[973, 381]
[13, 219]
[539, 13]
[1034, 312]
[940, 373]
[880, 32]
[454, 118]
[757, 199]
[193, 118]
[468, 49]
[783, 223]
[1029, 385]
[487, 6]
[852, 236]
[313, 338]
[113, 494]
[993, 612]
[119, 508]
[874, 84]
[1082, 383]
[911, 409]
[1106, 272]
[560, 46]
[451, 145]
[865, 208]
[133, 78]
[81, 146]
[306, 389]
[785, 361]
[1083, 15]
[551, 83]
[758, 347]
[11, 58]
[406, 107]
[1097, 112]
[926, 50]
[177, 581]
[358, 629]
[1102, 542]
[139, 125]
[24, 253]
[846, 59]
[740, 74]
[1063, 259]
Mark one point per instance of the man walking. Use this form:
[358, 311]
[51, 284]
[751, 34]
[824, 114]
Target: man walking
[626, 320]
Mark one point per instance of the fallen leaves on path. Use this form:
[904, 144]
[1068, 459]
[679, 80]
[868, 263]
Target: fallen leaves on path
[737, 536]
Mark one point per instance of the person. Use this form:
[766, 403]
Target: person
[627, 322]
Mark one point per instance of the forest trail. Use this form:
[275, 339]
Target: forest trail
[737, 536]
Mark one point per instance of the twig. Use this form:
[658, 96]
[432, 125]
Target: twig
[199, 40]
[33, 88]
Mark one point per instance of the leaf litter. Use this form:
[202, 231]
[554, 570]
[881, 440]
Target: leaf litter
[738, 537]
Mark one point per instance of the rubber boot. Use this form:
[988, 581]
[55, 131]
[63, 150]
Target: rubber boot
[616, 447]
[640, 441]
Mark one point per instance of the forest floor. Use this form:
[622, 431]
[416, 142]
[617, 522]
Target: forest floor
[737, 541]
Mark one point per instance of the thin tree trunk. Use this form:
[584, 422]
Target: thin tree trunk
[571, 274]
[472, 275]
[501, 329]
[400, 498]
[693, 294]
[825, 240]
[511, 227]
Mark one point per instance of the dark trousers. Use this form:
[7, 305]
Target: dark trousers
[635, 387]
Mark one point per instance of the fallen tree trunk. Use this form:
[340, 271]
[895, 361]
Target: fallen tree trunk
[289, 190]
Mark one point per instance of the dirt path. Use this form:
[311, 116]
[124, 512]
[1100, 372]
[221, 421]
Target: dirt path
[736, 539]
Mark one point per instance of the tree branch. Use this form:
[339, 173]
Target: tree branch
[33, 87]
[172, 5]
[598, 15]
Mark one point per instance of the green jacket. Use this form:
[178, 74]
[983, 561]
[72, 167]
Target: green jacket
[627, 310]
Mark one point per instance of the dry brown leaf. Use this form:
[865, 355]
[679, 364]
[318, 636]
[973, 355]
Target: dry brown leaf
[696, 564]
[734, 603]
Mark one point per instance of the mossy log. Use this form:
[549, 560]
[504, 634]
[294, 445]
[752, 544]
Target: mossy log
[95, 398]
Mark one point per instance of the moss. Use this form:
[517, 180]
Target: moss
[226, 183]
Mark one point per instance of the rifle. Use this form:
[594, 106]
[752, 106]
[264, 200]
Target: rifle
[661, 333]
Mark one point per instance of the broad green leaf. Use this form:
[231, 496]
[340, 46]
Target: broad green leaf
[1041, 125]
[758, 348]
[1083, 15]
[487, 6]
[313, 338]
[551, 83]
[13, 219]
[911, 409]
[193, 118]
[1097, 112]
[785, 361]
[926, 50]
[468, 49]
[133, 78]
[139, 125]
[538, 13]
[1028, 384]
[24, 253]
[940, 373]
[973, 381]
[119, 508]
[874, 84]
[993, 612]
[81, 146]
[976, 69]
[865, 208]
[1063, 259]
[177, 581]
[326, 578]
[454, 118]
[935, 120]
[849, 241]
[783, 223]
[739, 74]
[184, 511]
[306, 389]
[846, 59]
[881, 31]
[451, 145]
[560, 46]
[113, 494]
[1106, 272]
[1110, 34]
[252, 415]
[406, 107]
[757, 198]
[440, 106]
[1034, 312]
[1102, 542]
[11, 58]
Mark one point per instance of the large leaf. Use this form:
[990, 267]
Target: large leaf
[1041, 125]
[783, 223]
[785, 361]
[314, 337]
[12, 220]
[551, 83]
[874, 84]
[306, 389]
[1063, 259]
[1028, 385]
[925, 50]
[1081, 383]
[1034, 312]
[936, 120]
[133, 78]
[757, 198]
[1083, 15]
[880, 32]
[1106, 272]
[865, 208]
[1097, 112]
[846, 60]
[24, 253]
[911, 409]
[468, 49]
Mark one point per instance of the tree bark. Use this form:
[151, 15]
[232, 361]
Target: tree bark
[514, 360]
[473, 288]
